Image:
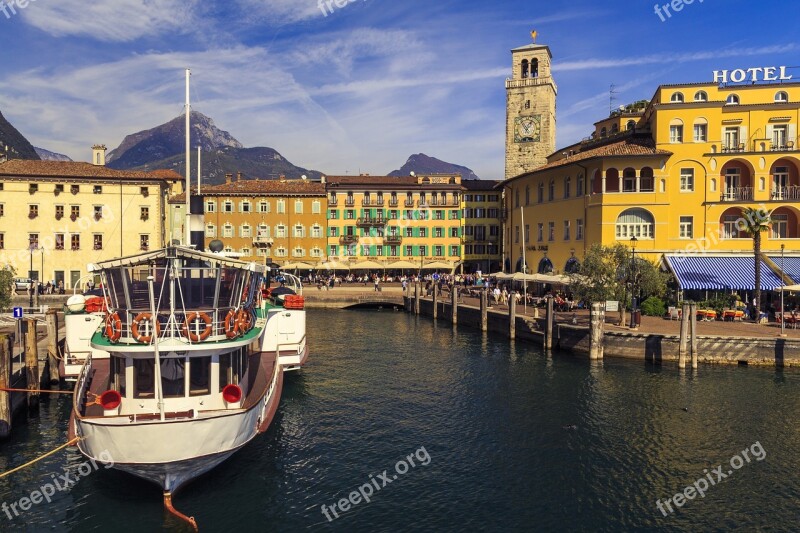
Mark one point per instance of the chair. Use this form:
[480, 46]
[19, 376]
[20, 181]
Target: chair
[672, 313]
[790, 145]
[728, 315]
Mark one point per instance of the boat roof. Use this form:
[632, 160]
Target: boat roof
[173, 252]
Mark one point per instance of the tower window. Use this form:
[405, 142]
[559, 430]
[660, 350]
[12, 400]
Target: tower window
[524, 68]
[527, 104]
[534, 68]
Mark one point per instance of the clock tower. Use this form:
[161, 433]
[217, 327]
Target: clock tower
[530, 110]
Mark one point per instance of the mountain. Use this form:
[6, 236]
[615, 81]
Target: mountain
[423, 164]
[47, 155]
[18, 146]
[164, 147]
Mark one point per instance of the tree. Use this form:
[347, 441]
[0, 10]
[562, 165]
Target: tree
[755, 221]
[607, 271]
[6, 286]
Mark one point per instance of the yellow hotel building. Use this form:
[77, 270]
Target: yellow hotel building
[384, 218]
[675, 173]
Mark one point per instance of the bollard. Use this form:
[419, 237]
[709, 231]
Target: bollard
[416, 298]
[683, 345]
[435, 302]
[512, 318]
[484, 310]
[454, 307]
[52, 345]
[32, 365]
[548, 325]
[5, 382]
[597, 320]
[693, 334]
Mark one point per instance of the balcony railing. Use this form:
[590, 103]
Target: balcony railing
[393, 202]
[409, 203]
[737, 194]
[733, 148]
[349, 201]
[393, 239]
[348, 239]
[791, 192]
[423, 203]
[369, 221]
[263, 240]
[372, 202]
[333, 202]
[783, 147]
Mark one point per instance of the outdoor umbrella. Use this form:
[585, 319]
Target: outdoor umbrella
[299, 265]
[402, 264]
[334, 265]
[367, 264]
[439, 265]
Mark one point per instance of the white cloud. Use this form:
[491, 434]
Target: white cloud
[120, 20]
[280, 11]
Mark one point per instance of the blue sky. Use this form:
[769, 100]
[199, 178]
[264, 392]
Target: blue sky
[367, 85]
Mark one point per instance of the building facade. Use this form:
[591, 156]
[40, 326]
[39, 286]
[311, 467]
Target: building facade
[77, 213]
[384, 218]
[482, 235]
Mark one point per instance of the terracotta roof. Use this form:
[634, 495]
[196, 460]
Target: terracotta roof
[24, 168]
[372, 180]
[632, 145]
[291, 187]
[479, 185]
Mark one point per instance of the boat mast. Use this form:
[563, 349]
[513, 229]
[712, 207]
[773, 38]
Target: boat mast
[198, 169]
[187, 236]
[159, 391]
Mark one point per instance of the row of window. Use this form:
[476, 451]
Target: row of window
[75, 189]
[265, 231]
[75, 211]
[378, 250]
[551, 231]
[262, 206]
[731, 135]
[481, 249]
[481, 198]
[438, 232]
[641, 224]
[394, 214]
[781, 97]
[480, 212]
[479, 232]
[551, 190]
[367, 197]
[72, 241]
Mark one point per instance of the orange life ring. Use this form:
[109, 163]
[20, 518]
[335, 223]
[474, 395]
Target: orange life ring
[231, 324]
[244, 320]
[113, 327]
[191, 317]
[141, 317]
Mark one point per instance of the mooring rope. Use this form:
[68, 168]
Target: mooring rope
[29, 463]
[37, 390]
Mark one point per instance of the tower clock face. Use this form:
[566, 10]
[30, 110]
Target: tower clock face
[527, 129]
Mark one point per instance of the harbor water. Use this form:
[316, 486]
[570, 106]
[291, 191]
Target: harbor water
[445, 429]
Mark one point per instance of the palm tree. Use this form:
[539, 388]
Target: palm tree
[756, 221]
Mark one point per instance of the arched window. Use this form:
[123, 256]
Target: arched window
[551, 191]
[629, 180]
[676, 97]
[572, 266]
[540, 193]
[614, 129]
[631, 125]
[567, 187]
[646, 182]
[635, 222]
[732, 99]
[525, 68]
[534, 68]
[545, 266]
[701, 96]
[781, 97]
[603, 131]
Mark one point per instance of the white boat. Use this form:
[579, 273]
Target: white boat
[192, 372]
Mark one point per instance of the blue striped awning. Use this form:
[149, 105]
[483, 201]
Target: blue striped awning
[791, 266]
[720, 273]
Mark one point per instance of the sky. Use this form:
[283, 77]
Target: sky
[358, 88]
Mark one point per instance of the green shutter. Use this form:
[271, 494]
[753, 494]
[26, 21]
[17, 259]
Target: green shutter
[373, 250]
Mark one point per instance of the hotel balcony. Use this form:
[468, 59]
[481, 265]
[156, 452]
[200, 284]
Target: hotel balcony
[393, 202]
[372, 202]
[333, 202]
[790, 193]
[349, 201]
[369, 221]
[348, 239]
[424, 203]
[393, 239]
[263, 240]
[409, 203]
[737, 194]
[732, 148]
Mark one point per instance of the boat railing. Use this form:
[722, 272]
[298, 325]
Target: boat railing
[299, 345]
[82, 385]
[208, 324]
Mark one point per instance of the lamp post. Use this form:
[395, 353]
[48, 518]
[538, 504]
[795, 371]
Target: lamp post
[31, 248]
[633, 282]
[783, 311]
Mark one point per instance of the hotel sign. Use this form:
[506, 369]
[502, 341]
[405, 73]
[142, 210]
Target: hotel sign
[752, 74]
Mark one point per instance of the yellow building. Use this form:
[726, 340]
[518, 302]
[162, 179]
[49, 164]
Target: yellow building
[385, 218]
[279, 220]
[482, 224]
[675, 174]
[75, 213]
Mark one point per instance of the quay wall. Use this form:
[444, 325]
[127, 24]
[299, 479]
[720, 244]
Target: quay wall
[654, 348]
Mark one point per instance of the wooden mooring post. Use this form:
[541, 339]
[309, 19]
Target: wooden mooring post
[597, 321]
[484, 310]
[512, 318]
[683, 343]
[693, 334]
[435, 302]
[416, 298]
[454, 306]
[52, 345]
[32, 365]
[5, 382]
[548, 325]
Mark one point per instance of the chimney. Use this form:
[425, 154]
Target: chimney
[322, 179]
[99, 155]
[283, 178]
[238, 176]
[228, 177]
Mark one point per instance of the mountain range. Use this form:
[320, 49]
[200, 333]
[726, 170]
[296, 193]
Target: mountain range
[423, 164]
[13, 143]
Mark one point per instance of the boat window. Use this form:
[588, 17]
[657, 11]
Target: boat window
[173, 380]
[143, 375]
[118, 375]
[199, 374]
[225, 371]
[116, 287]
[227, 286]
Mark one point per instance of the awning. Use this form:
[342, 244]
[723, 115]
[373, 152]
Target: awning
[791, 266]
[720, 272]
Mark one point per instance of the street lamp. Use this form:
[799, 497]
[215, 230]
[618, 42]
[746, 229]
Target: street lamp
[32, 287]
[783, 310]
[633, 282]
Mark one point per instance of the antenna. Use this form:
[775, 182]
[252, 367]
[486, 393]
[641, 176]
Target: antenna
[611, 98]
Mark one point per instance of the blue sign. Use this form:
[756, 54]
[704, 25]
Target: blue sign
[17, 312]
